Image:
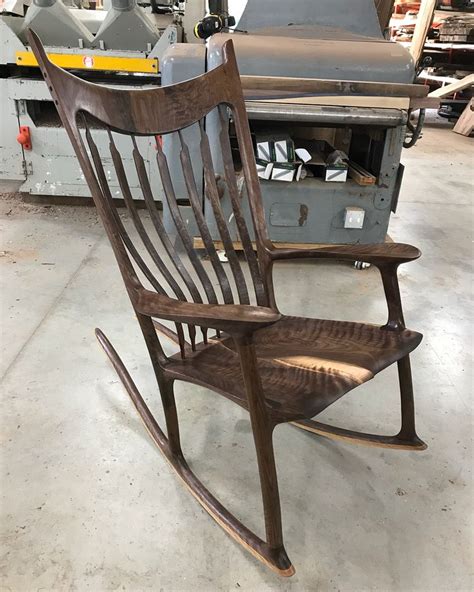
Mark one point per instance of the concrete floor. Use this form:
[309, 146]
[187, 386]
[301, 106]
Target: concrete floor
[89, 504]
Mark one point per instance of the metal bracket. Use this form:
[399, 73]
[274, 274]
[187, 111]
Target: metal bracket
[27, 168]
[20, 107]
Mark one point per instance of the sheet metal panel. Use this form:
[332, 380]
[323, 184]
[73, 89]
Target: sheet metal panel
[357, 16]
[368, 60]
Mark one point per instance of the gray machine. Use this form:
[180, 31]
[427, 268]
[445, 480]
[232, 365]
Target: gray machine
[311, 39]
[123, 45]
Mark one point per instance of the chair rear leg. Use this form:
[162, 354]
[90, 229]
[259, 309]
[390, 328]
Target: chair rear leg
[407, 431]
[166, 385]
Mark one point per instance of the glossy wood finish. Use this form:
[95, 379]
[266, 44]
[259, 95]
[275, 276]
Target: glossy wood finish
[304, 365]
[230, 335]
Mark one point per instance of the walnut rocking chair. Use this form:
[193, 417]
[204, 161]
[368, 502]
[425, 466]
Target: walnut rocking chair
[280, 369]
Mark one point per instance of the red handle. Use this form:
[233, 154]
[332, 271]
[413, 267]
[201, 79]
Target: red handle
[24, 137]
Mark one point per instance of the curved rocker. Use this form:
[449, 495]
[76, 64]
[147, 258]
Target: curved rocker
[274, 558]
[336, 433]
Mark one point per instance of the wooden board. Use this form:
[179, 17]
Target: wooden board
[199, 244]
[465, 124]
[360, 175]
[347, 101]
[365, 102]
[450, 89]
[333, 87]
[423, 23]
[425, 103]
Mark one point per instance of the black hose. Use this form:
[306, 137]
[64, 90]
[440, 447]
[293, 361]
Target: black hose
[414, 130]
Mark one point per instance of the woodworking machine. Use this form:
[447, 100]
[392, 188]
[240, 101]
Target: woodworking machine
[122, 45]
[324, 40]
[352, 90]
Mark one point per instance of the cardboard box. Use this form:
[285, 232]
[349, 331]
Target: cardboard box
[303, 154]
[299, 171]
[335, 174]
[284, 150]
[264, 168]
[275, 147]
[266, 150]
[286, 171]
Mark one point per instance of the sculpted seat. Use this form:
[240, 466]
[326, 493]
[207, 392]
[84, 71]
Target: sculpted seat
[304, 364]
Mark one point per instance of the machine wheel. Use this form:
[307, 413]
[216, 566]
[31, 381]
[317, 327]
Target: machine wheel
[361, 265]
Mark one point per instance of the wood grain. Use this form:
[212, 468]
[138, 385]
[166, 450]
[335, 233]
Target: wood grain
[360, 175]
[465, 124]
[454, 87]
[422, 27]
[333, 87]
[371, 102]
[304, 364]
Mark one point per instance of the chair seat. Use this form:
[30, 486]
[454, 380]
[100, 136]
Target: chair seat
[305, 364]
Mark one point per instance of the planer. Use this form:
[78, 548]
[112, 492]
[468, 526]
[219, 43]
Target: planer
[317, 72]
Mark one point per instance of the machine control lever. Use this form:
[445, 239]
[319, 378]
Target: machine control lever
[24, 137]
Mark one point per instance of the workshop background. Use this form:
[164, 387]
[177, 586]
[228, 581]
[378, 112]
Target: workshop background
[361, 115]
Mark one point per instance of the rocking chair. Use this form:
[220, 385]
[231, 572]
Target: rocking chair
[279, 368]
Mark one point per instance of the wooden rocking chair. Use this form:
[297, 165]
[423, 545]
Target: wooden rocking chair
[280, 369]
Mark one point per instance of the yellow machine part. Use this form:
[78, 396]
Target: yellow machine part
[70, 61]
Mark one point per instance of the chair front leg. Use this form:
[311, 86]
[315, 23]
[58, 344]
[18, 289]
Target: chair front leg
[262, 427]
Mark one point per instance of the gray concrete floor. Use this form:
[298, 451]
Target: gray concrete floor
[89, 504]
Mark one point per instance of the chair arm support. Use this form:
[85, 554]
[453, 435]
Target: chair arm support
[386, 256]
[235, 319]
[376, 254]
[391, 288]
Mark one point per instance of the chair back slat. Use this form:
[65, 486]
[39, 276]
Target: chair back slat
[181, 226]
[129, 245]
[137, 221]
[212, 193]
[196, 205]
[152, 208]
[235, 197]
[150, 252]
[131, 248]
[140, 228]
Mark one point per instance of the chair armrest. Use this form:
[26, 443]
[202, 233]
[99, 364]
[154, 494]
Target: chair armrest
[379, 254]
[235, 319]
